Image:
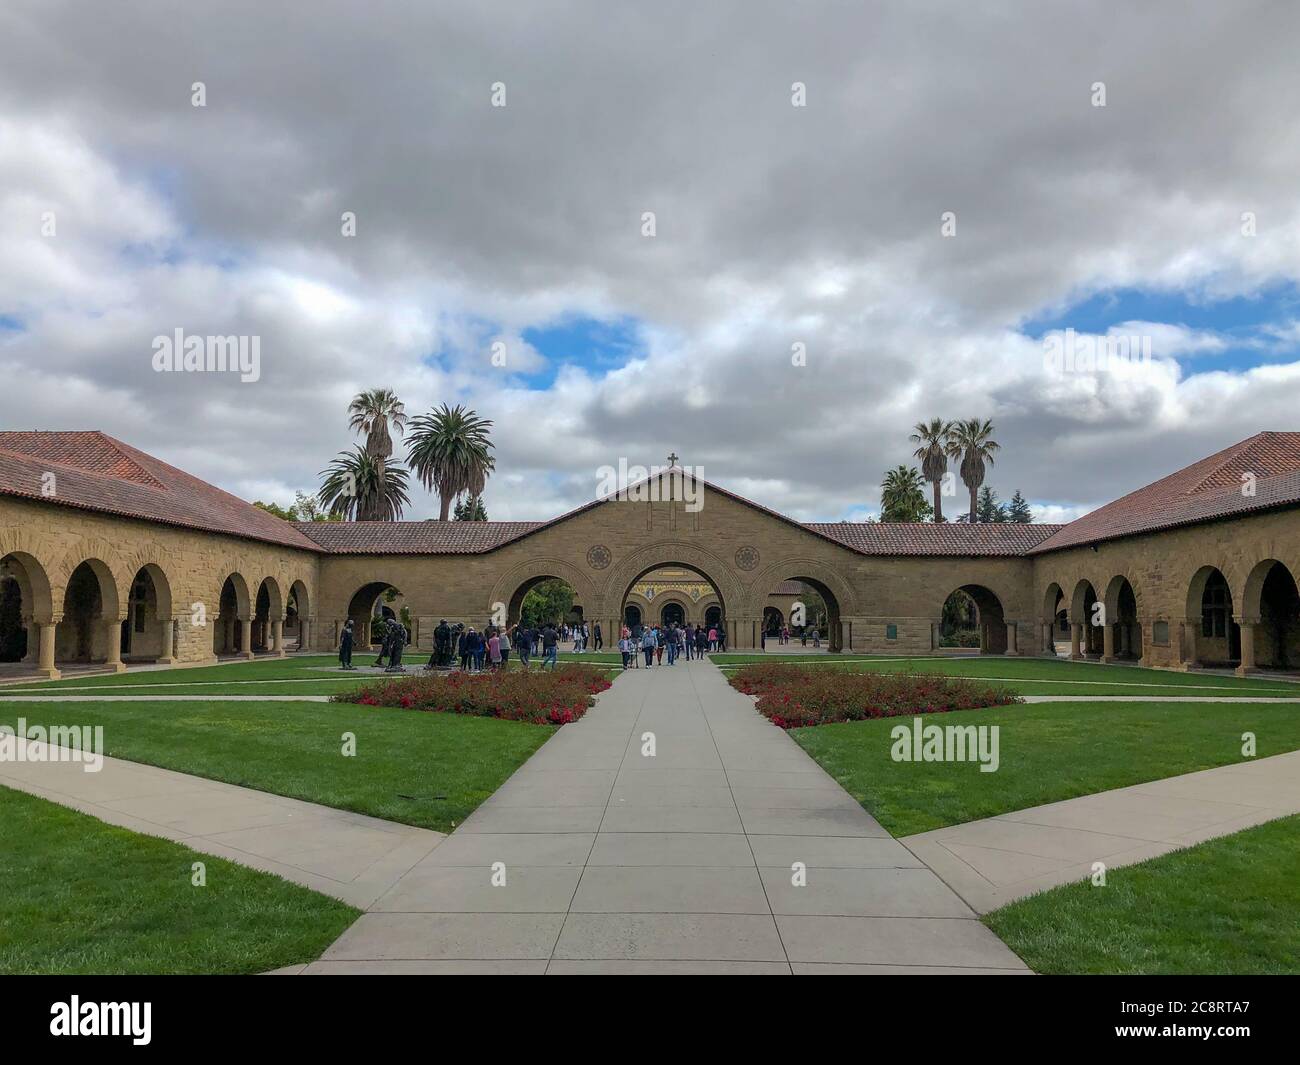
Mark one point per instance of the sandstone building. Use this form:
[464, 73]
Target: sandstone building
[108, 555]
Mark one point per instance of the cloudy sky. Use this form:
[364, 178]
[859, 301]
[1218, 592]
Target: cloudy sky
[1170, 214]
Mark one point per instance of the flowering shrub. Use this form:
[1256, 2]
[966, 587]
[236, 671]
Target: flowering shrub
[541, 698]
[796, 696]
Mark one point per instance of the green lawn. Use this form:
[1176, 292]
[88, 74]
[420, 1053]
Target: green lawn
[81, 896]
[1043, 676]
[424, 769]
[1226, 906]
[1048, 751]
[308, 675]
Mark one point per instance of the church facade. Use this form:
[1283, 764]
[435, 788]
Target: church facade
[109, 556]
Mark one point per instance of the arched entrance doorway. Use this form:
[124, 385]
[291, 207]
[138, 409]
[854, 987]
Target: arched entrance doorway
[972, 617]
[1087, 622]
[672, 613]
[1272, 641]
[773, 620]
[1215, 637]
[1122, 638]
[1054, 624]
[229, 628]
[669, 592]
[148, 633]
[25, 611]
[297, 622]
[815, 608]
[90, 631]
[369, 610]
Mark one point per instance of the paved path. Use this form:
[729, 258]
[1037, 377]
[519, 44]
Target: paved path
[350, 856]
[616, 862]
[1000, 859]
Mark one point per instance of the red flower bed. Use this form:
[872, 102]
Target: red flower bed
[541, 698]
[796, 696]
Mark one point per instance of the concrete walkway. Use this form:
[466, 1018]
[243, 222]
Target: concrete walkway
[993, 862]
[349, 856]
[615, 861]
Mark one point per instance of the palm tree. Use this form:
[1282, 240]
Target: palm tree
[361, 487]
[450, 451]
[933, 438]
[972, 442]
[902, 495]
[370, 412]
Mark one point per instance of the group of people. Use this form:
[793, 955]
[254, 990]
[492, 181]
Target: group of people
[692, 641]
[489, 650]
[783, 636]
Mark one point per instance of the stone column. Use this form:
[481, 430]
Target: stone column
[168, 649]
[1247, 626]
[1049, 638]
[113, 631]
[277, 636]
[1076, 640]
[304, 633]
[936, 635]
[33, 641]
[1013, 638]
[1108, 643]
[246, 635]
[45, 642]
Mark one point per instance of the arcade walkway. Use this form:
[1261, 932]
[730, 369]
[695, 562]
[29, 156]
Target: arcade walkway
[618, 861]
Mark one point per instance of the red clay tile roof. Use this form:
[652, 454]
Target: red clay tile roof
[96, 472]
[414, 537]
[924, 538]
[1204, 491]
[92, 471]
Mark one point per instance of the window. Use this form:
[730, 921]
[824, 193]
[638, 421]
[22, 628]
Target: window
[891, 632]
[1160, 633]
[1216, 605]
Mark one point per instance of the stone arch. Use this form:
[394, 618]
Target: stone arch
[666, 599]
[91, 610]
[1082, 612]
[510, 588]
[299, 623]
[231, 609]
[991, 616]
[33, 585]
[670, 553]
[773, 621]
[809, 571]
[1124, 614]
[1212, 605]
[840, 598]
[1270, 615]
[148, 630]
[274, 600]
[109, 567]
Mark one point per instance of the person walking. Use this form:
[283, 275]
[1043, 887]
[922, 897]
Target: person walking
[550, 646]
[524, 643]
[722, 638]
[596, 642]
[648, 646]
[713, 639]
[505, 648]
[345, 647]
[494, 651]
[625, 649]
[462, 650]
[671, 638]
[689, 641]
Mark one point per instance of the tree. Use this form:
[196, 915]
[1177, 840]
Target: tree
[450, 452]
[548, 600]
[932, 438]
[990, 510]
[902, 496]
[354, 487]
[283, 513]
[371, 413]
[972, 442]
[470, 508]
[1018, 509]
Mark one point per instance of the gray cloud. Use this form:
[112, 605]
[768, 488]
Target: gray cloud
[775, 225]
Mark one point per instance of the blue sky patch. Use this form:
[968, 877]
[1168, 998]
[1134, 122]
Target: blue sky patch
[1242, 321]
